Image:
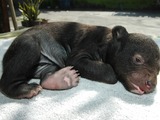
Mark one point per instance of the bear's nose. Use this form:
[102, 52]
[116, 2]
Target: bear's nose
[148, 84]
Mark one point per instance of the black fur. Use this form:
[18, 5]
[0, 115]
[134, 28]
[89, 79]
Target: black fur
[99, 53]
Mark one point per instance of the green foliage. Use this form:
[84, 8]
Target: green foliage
[30, 9]
[119, 4]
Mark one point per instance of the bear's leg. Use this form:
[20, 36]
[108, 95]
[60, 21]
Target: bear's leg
[64, 78]
[19, 64]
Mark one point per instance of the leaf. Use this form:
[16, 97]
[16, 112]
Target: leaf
[30, 9]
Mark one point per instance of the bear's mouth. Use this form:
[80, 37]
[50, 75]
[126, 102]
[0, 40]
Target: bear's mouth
[137, 89]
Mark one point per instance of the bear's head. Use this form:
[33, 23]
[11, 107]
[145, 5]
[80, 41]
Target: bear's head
[136, 60]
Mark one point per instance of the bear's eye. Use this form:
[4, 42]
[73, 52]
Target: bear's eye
[138, 59]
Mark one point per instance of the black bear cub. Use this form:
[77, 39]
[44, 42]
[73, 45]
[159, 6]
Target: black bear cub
[58, 53]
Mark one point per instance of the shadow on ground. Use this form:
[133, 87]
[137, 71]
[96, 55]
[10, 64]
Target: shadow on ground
[139, 14]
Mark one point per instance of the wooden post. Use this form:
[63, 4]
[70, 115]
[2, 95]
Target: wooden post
[13, 14]
[4, 19]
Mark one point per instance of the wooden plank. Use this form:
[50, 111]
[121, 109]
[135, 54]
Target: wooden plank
[4, 18]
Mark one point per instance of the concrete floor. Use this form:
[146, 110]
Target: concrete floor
[146, 23]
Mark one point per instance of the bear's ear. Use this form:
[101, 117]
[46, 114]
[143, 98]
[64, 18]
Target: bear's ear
[119, 32]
